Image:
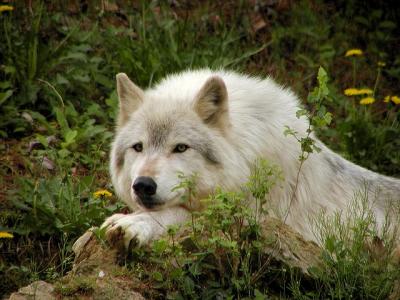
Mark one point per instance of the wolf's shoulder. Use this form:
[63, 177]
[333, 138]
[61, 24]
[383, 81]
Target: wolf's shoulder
[197, 77]
[239, 85]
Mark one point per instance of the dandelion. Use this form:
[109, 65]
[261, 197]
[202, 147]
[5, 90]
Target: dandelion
[381, 64]
[357, 92]
[6, 8]
[351, 92]
[395, 99]
[367, 101]
[365, 92]
[353, 52]
[6, 235]
[101, 193]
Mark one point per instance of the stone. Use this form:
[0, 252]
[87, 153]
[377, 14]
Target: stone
[36, 290]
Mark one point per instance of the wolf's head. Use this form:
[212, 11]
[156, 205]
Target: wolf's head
[160, 135]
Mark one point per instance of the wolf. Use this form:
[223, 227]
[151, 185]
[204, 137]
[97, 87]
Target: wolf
[215, 124]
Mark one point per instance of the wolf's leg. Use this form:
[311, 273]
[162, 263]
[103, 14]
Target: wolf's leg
[145, 226]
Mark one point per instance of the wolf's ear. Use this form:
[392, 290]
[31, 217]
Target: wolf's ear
[211, 102]
[130, 97]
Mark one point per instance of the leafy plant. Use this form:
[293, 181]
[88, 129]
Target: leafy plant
[223, 250]
[58, 206]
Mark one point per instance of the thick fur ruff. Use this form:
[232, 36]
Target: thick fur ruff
[225, 121]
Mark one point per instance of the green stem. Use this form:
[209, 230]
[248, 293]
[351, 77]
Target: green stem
[378, 77]
[6, 27]
[34, 44]
[144, 22]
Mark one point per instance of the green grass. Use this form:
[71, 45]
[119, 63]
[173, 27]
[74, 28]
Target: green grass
[57, 68]
[357, 256]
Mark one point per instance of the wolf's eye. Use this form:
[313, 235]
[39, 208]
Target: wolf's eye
[138, 147]
[180, 148]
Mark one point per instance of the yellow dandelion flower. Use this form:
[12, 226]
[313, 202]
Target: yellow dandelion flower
[101, 193]
[6, 8]
[351, 92]
[365, 92]
[357, 92]
[381, 64]
[367, 101]
[395, 99]
[386, 99]
[353, 52]
[6, 235]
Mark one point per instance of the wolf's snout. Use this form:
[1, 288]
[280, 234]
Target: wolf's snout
[144, 186]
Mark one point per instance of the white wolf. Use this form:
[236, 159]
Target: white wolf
[216, 124]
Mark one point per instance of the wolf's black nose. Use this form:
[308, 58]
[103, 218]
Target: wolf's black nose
[144, 186]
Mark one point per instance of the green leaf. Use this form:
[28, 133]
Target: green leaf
[328, 118]
[323, 81]
[42, 140]
[289, 131]
[159, 246]
[9, 69]
[301, 112]
[5, 84]
[330, 244]
[316, 149]
[158, 276]
[322, 77]
[387, 25]
[313, 96]
[60, 80]
[4, 96]
[63, 153]
[70, 136]
[258, 295]
[79, 56]
[82, 78]
[61, 120]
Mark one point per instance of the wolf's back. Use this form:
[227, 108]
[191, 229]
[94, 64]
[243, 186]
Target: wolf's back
[380, 188]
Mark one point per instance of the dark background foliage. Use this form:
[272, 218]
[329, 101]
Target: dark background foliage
[58, 103]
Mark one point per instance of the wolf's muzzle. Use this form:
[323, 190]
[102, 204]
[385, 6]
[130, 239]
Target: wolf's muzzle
[145, 188]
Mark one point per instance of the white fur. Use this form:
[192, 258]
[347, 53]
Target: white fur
[258, 110]
[144, 226]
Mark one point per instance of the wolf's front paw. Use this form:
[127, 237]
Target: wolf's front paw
[135, 230]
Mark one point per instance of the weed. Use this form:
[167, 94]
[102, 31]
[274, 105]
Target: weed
[223, 249]
[79, 284]
[357, 257]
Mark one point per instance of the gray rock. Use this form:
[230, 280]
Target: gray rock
[36, 290]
